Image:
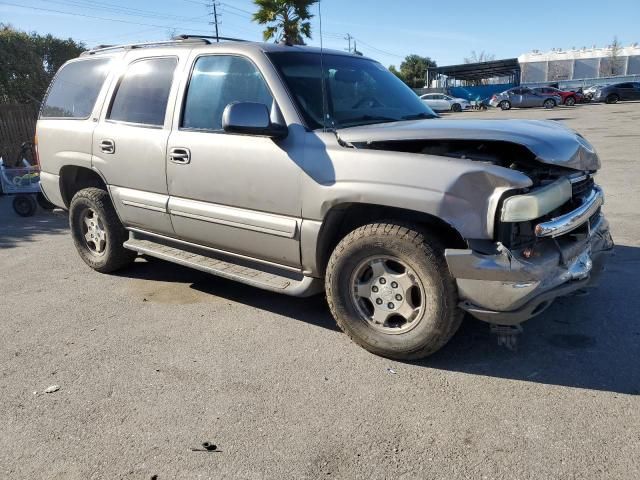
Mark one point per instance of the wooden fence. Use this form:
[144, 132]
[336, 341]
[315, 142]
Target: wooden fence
[17, 125]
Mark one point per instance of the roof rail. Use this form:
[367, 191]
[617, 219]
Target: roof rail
[131, 46]
[208, 37]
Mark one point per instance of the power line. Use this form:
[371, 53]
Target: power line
[92, 16]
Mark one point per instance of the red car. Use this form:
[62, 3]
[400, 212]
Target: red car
[568, 98]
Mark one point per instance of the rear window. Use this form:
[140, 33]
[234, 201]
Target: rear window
[143, 92]
[75, 89]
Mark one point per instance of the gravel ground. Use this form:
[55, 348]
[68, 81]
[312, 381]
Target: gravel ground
[157, 359]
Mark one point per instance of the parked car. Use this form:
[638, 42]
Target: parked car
[231, 158]
[591, 90]
[618, 91]
[440, 102]
[523, 97]
[569, 98]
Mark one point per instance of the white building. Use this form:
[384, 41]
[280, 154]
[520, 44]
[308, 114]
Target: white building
[579, 64]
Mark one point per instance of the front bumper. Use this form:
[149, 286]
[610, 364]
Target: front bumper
[507, 288]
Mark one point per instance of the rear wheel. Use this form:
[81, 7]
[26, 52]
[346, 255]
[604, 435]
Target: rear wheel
[456, 107]
[97, 231]
[570, 101]
[505, 105]
[549, 103]
[25, 205]
[613, 98]
[390, 290]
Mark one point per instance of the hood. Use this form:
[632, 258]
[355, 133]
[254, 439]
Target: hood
[551, 142]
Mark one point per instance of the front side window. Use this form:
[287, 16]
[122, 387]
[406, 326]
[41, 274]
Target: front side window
[75, 89]
[358, 91]
[217, 81]
[143, 92]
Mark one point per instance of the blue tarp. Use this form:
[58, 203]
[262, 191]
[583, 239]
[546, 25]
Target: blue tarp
[481, 92]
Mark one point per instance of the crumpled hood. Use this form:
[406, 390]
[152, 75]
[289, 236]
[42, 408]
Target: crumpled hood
[551, 142]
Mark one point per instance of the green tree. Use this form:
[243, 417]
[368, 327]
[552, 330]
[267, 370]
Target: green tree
[287, 20]
[394, 70]
[413, 70]
[29, 62]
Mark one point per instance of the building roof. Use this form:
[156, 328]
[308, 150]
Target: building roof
[480, 70]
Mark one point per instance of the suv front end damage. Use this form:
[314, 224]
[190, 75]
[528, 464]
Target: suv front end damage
[514, 283]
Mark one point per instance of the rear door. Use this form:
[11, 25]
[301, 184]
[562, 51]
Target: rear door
[129, 142]
[636, 91]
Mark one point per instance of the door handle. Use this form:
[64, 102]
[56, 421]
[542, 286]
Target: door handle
[108, 146]
[180, 155]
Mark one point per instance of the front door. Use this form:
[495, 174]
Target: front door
[129, 142]
[235, 193]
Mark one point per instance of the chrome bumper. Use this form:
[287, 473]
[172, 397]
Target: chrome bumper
[572, 220]
[508, 288]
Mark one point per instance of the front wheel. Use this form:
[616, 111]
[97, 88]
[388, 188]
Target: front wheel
[570, 101]
[97, 231]
[456, 107]
[389, 289]
[505, 105]
[549, 103]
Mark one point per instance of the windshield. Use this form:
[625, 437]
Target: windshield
[359, 91]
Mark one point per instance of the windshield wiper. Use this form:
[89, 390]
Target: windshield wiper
[418, 116]
[368, 119]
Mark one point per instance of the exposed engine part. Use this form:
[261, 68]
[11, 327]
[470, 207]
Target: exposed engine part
[507, 335]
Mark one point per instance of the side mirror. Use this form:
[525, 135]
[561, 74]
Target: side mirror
[249, 118]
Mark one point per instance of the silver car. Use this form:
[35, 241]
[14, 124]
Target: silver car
[439, 102]
[523, 97]
[300, 172]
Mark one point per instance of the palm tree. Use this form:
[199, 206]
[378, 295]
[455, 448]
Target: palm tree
[287, 20]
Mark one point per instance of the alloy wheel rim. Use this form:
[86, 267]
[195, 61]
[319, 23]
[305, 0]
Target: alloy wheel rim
[387, 294]
[95, 235]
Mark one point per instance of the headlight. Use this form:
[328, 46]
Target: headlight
[529, 206]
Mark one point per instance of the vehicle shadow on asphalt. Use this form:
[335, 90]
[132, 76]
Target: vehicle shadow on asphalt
[590, 342]
[15, 229]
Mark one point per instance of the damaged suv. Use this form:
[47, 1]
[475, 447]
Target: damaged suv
[300, 171]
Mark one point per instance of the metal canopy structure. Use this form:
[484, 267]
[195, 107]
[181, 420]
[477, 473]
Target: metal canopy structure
[473, 72]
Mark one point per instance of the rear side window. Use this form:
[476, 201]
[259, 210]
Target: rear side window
[75, 89]
[217, 81]
[143, 92]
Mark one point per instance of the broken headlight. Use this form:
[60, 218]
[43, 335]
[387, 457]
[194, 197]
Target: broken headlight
[535, 204]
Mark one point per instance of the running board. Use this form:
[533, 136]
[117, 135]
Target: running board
[302, 287]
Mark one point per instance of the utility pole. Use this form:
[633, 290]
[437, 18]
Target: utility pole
[214, 13]
[349, 38]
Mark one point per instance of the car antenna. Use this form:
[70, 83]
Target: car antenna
[325, 101]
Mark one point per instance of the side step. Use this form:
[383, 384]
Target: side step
[298, 287]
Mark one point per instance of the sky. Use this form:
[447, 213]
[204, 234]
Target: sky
[385, 30]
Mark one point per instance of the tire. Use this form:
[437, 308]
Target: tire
[505, 105]
[435, 320]
[456, 107]
[44, 203]
[25, 205]
[613, 98]
[570, 101]
[549, 103]
[104, 253]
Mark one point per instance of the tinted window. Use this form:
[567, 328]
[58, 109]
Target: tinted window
[143, 92]
[217, 81]
[358, 91]
[75, 89]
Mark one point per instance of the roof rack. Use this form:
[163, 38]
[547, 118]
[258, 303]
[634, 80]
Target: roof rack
[208, 37]
[175, 41]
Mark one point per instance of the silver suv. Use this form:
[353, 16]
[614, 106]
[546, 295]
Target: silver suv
[298, 171]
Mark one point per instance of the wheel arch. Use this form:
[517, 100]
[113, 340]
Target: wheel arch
[343, 218]
[74, 178]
